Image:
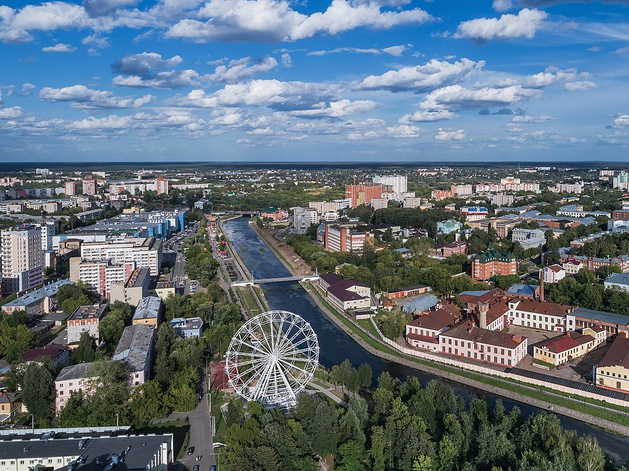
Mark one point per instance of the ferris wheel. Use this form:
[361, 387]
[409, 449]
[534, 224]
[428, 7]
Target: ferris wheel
[271, 358]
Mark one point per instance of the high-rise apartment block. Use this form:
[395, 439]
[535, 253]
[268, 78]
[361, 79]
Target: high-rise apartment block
[22, 259]
[161, 186]
[70, 188]
[621, 181]
[490, 263]
[363, 194]
[89, 185]
[345, 239]
[398, 183]
[303, 218]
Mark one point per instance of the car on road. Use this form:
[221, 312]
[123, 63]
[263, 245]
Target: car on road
[213, 468]
[190, 450]
[195, 467]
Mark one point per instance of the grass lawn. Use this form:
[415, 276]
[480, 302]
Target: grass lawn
[221, 427]
[180, 430]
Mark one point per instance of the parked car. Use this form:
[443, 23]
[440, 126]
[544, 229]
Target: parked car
[195, 467]
[190, 450]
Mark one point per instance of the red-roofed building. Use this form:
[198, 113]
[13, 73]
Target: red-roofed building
[59, 354]
[613, 370]
[572, 345]
[468, 341]
[345, 294]
[423, 332]
[552, 274]
[447, 250]
[541, 315]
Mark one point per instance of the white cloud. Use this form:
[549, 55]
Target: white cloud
[108, 123]
[579, 86]
[96, 40]
[287, 60]
[395, 51]
[144, 64]
[427, 116]
[104, 7]
[168, 80]
[531, 119]
[60, 48]
[285, 96]
[458, 97]
[502, 5]
[10, 113]
[621, 121]
[336, 109]
[238, 70]
[275, 20]
[523, 25]
[82, 97]
[552, 75]
[444, 135]
[421, 78]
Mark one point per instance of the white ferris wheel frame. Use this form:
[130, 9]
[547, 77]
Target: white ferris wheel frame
[272, 357]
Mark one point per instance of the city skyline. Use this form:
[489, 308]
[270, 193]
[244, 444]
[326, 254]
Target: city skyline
[275, 81]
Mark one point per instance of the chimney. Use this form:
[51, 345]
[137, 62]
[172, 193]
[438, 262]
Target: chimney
[541, 288]
[482, 314]
[568, 333]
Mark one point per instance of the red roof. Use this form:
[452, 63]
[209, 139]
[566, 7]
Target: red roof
[422, 338]
[37, 353]
[565, 342]
[437, 320]
[468, 331]
[543, 307]
[618, 354]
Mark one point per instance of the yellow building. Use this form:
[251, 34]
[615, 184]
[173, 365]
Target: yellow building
[165, 289]
[148, 312]
[572, 345]
[613, 370]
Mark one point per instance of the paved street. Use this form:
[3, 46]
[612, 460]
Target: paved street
[200, 435]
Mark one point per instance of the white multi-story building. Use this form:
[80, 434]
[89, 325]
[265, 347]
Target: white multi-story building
[552, 274]
[541, 315]
[161, 186]
[70, 188]
[100, 275]
[461, 190]
[501, 199]
[576, 188]
[22, 259]
[380, 203]
[70, 380]
[303, 218]
[323, 207]
[48, 231]
[621, 181]
[528, 238]
[412, 202]
[145, 252]
[398, 183]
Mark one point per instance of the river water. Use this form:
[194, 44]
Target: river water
[336, 345]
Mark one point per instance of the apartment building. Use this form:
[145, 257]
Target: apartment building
[133, 289]
[145, 252]
[135, 348]
[363, 193]
[490, 263]
[161, 186]
[89, 186]
[40, 301]
[303, 218]
[100, 276]
[70, 188]
[552, 274]
[70, 380]
[528, 238]
[86, 319]
[340, 238]
[396, 183]
[148, 312]
[22, 259]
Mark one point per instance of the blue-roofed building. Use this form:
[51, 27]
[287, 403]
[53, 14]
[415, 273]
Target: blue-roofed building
[474, 293]
[527, 291]
[421, 304]
[618, 281]
[613, 323]
[40, 301]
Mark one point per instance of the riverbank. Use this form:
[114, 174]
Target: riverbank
[538, 397]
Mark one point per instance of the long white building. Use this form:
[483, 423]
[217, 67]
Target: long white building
[145, 252]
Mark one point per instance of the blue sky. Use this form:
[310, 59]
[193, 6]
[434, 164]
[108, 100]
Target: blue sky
[346, 80]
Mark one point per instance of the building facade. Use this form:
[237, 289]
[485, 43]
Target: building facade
[490, 263]
[86, 319]
[22, 259]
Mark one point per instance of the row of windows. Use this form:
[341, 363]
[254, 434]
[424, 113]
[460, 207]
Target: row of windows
[469, 345]
[499, 360]
[614, 374]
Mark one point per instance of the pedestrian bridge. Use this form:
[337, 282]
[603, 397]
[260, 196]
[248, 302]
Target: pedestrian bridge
[263, 281]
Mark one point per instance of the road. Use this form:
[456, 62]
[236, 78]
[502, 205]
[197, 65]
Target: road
[200, 436]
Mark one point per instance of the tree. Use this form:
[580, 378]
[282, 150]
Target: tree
[147, 402]
[86, 351]
[590, 457]
[422, 463]
[38, 389]
[350, 455]
[70, 297]
[365, 375]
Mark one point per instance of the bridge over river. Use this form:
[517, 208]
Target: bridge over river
[263, 281]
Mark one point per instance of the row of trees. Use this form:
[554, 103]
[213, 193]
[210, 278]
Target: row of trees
[406, 426]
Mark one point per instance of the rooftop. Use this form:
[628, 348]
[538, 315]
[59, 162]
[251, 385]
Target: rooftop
[148, 308]
[438, 319]
[607, 317]
[97, 311]
[421, 304]
[468, 331]
[565, 342]
[135, 346]
[341, 290]
[618, 353]
[619, 279]
[39, 294]
[138, 451]
[74, 372]
[50, 351]
[138, 277]
[523, 290]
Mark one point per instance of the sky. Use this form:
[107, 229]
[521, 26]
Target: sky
[314, 81]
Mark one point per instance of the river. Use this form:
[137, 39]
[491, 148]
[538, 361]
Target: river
[336, 345]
